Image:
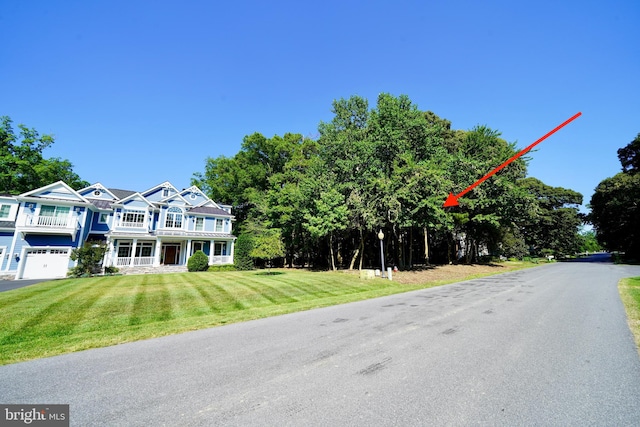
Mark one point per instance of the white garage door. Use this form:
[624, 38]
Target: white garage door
[47, 263]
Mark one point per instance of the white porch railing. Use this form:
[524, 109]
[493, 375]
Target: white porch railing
[132, 224]
[221, 259]
[126, 261]
[52, 221]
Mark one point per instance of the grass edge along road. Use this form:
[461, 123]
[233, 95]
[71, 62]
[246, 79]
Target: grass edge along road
[68, 315]
[629, 289]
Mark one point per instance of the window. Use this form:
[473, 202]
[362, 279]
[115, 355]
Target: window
[54, 211]
[133, 219]
[143, 249]
[97, 193]
[220, 249]
[199, 224]
[198, 246]
[124, 249]
[218, 225]
[165, 192]
[102, 219]
[174, 218]
[4, 211]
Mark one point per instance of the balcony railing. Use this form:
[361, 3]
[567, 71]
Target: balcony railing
[48, 222]
[221, 259]
[132, 224]
[126, 261]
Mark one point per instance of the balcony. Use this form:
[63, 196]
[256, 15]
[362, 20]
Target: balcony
[48, 224]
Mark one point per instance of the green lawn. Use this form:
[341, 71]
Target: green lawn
[630, 294]
[75, 314]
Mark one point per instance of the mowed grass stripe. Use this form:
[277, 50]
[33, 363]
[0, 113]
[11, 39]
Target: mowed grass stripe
[55, 318]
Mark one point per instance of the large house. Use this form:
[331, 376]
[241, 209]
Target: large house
[154, 228]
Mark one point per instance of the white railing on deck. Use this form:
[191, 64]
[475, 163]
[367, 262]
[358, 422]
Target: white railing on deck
[52, 221]
[221, 259]
[132, 224]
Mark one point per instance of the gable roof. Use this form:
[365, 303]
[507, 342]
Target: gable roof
[134, 196]
[56, 191]
[121, 194]
[100, 187]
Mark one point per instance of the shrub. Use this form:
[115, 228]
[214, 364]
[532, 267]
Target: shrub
[199, 261]
[89, 258]
[242, 259]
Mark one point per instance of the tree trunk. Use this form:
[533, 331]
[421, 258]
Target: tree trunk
[333, 263]
[357, 252]
[426, 245]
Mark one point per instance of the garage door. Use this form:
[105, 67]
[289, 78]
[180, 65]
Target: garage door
[47, 263]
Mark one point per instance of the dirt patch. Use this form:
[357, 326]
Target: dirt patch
[450, 272]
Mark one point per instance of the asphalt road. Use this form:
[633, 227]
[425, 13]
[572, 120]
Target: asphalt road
[544, 346]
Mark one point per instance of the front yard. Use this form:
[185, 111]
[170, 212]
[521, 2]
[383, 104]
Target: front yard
[69, 315]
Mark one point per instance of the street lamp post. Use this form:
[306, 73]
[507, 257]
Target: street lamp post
[381, 237]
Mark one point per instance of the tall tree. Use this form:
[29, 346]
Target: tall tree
[553, 223]
[615, 205]
[22, 164]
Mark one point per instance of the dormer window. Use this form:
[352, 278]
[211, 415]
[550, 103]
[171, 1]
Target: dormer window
[174, 218]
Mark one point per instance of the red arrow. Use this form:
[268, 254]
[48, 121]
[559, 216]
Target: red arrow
[453, 200]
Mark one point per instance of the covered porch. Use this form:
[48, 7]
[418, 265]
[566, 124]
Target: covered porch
[154, 252]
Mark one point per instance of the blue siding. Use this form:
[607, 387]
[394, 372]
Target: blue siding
[49, 240]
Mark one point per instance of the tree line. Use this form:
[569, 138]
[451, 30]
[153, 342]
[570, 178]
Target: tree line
[389, 168]
[615, 205]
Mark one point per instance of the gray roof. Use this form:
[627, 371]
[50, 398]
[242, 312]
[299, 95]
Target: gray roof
[209, 210]
[121, 194]
[101, 204]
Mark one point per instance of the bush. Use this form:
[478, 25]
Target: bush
[89, 258]
[199, 261]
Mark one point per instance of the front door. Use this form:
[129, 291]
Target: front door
[171, 254]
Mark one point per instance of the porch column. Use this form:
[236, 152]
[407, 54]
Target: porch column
[188, 251]
[233, 242]
[212, 248]
[108, 256]
[157, 253]
[133, 252]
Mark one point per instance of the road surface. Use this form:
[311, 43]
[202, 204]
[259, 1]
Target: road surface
[544, 346]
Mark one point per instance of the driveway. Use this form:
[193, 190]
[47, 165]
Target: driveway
[543, 346]
[7, 285]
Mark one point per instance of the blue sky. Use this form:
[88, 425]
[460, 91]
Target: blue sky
[138, 93]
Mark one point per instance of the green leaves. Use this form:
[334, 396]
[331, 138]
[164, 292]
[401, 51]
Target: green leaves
[22, 166]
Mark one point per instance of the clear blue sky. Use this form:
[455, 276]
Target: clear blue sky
[137, 93]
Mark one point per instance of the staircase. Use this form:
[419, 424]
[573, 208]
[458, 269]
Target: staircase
[162, 269]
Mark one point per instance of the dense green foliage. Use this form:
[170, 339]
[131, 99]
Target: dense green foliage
[390, 168]
[22, 165]
[89, 259]
[242, 255]
[615, 205]
[199, 261]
